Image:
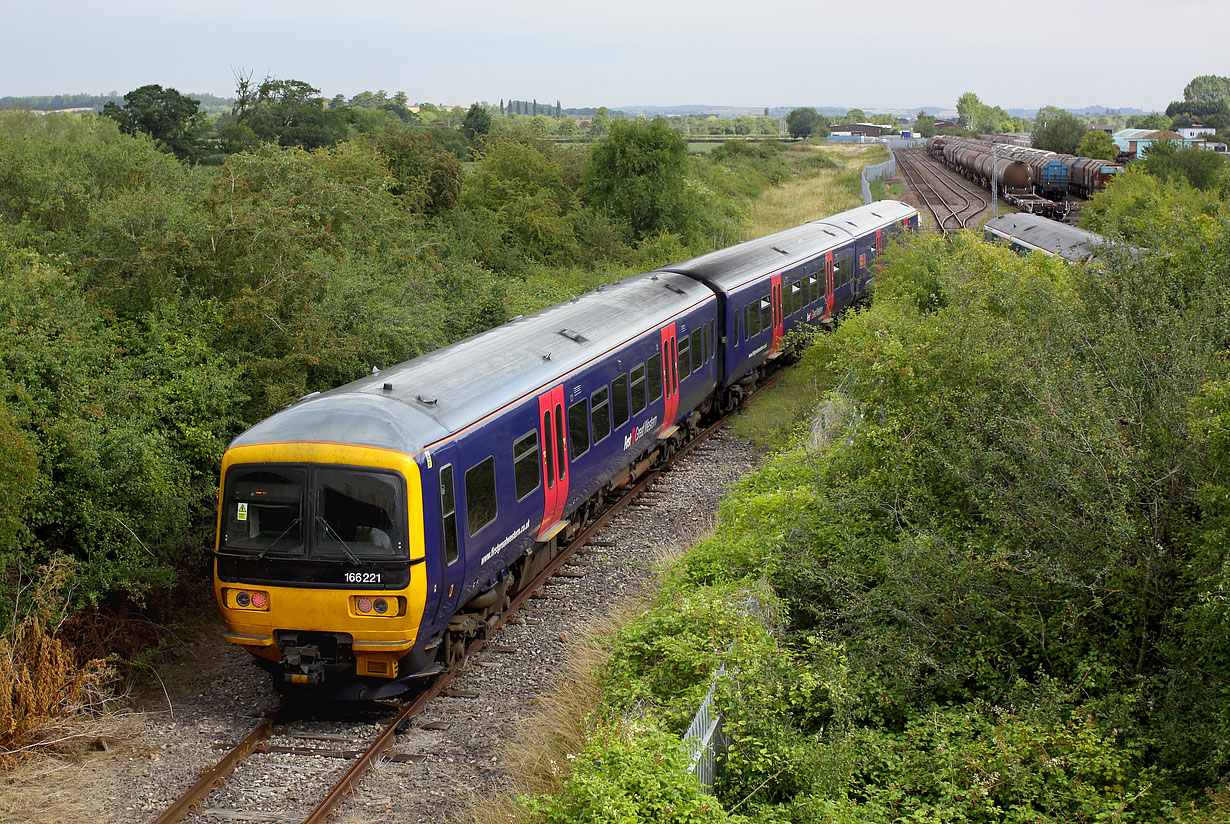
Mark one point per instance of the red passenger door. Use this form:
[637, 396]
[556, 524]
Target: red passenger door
[828, 287]
[779, 320]
[670, 377]
[553, 447]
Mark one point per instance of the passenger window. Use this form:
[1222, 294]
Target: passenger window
[813, 292]
[754, 324]
[747, 324]
[796, 297]
[619, 401]
[735, 336]
[601, 405]
[638, 388]
[480, 495]
[698, 349]
[766, 313]
[525, 464]
[448, 515]
[685, 357]
[578, 428]
[653, 371]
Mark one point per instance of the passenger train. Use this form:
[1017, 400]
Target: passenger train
[365, 534]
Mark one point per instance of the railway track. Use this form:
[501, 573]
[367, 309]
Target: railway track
[280, 726]
[951, 203]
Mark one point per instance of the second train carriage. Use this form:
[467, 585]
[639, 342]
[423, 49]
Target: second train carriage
[364, 534]
[1026, 233]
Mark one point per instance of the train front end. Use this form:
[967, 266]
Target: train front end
[319, 564]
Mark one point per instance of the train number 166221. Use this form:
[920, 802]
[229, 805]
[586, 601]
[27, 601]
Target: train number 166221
[361, 577]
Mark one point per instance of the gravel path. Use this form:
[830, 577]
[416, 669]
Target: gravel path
[214, 696]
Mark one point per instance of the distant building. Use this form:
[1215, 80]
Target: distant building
[1195, 130]
[944, 124]
[859, 130]
[1215, 146]
[1136, 142]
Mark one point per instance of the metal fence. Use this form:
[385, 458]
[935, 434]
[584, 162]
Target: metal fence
[886, 169]
[704, 743]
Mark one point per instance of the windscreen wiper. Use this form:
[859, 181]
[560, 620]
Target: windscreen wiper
[274, 542]
[354, 559]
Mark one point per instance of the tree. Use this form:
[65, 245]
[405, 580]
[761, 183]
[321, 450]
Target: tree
[636, 175]
[924, 124]
[1097, 143]
[286, 112]
[1168, 160]
[802, 122]
[428, 179]
[1155, 121]
[856, 116]
[1057, 130]
[477, 120]
[1207, 88]
[175, 122]
[968, 109]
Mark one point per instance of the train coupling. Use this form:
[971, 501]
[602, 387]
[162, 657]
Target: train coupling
[307, 656]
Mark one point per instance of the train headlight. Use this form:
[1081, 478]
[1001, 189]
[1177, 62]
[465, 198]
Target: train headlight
[243, 599]
[380, 605]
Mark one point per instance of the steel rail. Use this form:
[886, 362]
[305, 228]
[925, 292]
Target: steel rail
[948, 178]
[921, 186]
[216, 775]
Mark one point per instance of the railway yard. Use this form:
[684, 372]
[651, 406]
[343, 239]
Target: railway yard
[949, 181]
[445, 755]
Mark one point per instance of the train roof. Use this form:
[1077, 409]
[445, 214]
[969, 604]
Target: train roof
[730, 268]
[414, 404]
[1047, 235]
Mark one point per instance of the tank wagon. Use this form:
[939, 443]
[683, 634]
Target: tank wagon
[1015, 175]
[365, 534]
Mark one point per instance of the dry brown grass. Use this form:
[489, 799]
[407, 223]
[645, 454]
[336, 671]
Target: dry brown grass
[814, 194]
[49, 699]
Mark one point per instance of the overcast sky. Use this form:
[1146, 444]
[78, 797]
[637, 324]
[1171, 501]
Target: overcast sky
[886, 53]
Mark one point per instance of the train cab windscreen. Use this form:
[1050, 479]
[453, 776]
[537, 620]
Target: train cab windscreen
[352, 515]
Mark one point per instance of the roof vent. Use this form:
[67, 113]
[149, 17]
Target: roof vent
[779, 249]
[308, 396]
[375, 370]
[426, 400]
[653, 277]
[388, 387]
[674, 288]
[877, 214]
[573, 335]
[830, 234]
[547, 356]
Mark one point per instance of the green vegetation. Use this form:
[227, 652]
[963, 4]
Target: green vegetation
[151, 308]
[1097, 143]
[985, 579]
